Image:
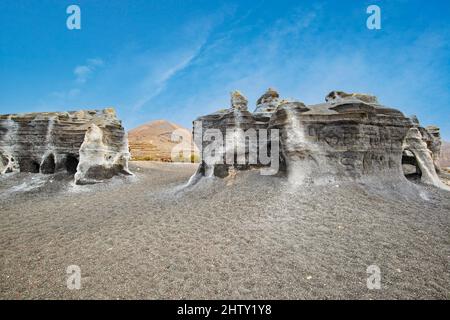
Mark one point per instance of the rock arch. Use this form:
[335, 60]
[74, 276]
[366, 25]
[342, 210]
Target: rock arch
[410, 166]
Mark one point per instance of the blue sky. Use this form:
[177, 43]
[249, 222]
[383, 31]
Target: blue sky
[177, 60]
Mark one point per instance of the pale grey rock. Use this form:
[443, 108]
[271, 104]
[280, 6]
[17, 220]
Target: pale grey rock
[417, 153]
[435, 145]
[99, 160]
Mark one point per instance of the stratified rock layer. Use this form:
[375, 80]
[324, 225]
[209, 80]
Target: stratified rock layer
[346, 139]
[90, 144]
[349, 137]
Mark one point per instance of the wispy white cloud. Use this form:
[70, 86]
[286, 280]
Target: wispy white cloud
[292, 55]
[82, 72]
[68, 96]
[157, 83]
[64, 95]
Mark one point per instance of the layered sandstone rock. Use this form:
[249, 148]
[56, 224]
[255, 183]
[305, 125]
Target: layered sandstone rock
[349, 137]
[91, 144]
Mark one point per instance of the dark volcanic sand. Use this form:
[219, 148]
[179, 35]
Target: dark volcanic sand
[247, 237]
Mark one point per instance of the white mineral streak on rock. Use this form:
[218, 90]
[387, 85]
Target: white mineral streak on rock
[234, 143]
[7, 161]
[212, 152]
[49, 136]
[298, 151]
[235, 139]
[92, 152]
[50, 145]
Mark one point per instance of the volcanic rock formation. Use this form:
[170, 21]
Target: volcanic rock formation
[349, 137]
[90, 144]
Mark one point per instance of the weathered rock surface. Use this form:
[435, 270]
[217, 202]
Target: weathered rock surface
[91, 144]
[237, 117]
[434, 144]
[349, 137]
[267, 104]
[342, 139]
[421, 152]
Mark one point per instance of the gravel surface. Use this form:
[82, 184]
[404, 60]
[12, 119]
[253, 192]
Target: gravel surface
[245, 237]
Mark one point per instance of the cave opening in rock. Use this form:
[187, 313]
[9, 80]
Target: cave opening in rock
[29, 165]
[410, 166]
[48, 165]
[34, 167]
[71, 164]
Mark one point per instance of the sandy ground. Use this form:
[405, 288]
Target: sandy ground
[247, 237]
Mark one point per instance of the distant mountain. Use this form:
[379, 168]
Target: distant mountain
[153, 141]
[445, 155]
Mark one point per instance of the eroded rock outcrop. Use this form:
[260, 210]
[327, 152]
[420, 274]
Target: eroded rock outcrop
[421, 151]
[91, 144]
[349, 137]
[238, 119]
[434, 144]
[267, 103]
[346, 138]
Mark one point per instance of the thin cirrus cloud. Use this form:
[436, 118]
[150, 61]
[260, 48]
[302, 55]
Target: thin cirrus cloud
[163, 65]
[157, 83]
[83, 72]
[294, 56]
